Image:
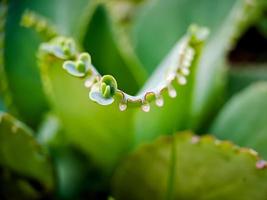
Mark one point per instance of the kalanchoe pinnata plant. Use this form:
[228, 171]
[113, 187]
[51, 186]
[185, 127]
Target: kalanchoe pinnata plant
[104, 93]
[104, 89]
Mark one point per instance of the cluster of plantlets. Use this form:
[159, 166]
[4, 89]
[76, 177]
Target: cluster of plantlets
[98, 127]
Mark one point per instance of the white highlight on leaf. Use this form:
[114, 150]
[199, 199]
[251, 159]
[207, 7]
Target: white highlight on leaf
[145, 107]
[175, 66]
[181, 79]
[159, 101]
[122, 106]
[172, 91]
[185, 71]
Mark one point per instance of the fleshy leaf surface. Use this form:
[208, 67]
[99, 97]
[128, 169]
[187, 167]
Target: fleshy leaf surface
[20, 152]
[91, 126]
[185, 166]
[175, 113]
[229, 19]
[243, 119]
[98, 131]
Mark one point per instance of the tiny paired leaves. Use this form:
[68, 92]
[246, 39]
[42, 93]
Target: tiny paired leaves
[104, 91]
[80, 67]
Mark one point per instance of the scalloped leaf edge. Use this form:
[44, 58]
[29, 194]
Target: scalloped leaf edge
[189, 138]
[177, 71]
[40, 24]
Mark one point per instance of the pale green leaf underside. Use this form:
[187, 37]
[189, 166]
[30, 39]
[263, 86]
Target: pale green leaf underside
[201, 168]
[20, 152]
[243, 120]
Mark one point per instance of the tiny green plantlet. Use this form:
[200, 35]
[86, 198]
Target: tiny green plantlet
[103, 89]
[97, 97]
[81, 67]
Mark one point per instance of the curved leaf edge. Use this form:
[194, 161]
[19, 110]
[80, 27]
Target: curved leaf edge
[176, 72]
[16, 125]
[192, 139]
[39, 24]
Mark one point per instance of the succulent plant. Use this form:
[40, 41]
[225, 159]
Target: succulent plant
[113, 99]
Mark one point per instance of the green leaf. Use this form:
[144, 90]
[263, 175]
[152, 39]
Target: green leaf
[103, 133]
[20, 152]
[39, 24]
[262, 23]
[20, 56]
[75, 173]
[2, 107]
[173, 17]
[79, 68]
[243, 120]
[111, 53]
[50, 132]
[66, 15]
[176, 112]
[4, 86]
[15, 187]
[90, 126]
[104, 91]
[185, 166]
[244, 75]
[226, 21]
[72, 172]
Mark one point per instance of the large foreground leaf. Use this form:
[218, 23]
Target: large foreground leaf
[244, 119]
[91, 126]
[185, 166]
[21, 153]
[99, 131]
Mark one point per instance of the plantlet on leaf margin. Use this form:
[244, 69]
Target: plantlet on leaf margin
[79, 68]
[63, 48]
[41, 25]
[104, 91]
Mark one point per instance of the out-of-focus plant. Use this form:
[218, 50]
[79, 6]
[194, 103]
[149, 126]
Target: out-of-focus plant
[103, 119]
